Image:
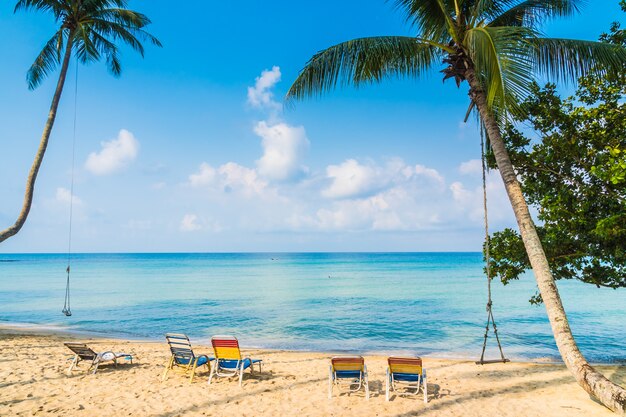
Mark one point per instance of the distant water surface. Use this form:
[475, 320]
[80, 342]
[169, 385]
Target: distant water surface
[419, 303]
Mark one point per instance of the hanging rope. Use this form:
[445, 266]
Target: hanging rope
[66, 306]
[491, 321]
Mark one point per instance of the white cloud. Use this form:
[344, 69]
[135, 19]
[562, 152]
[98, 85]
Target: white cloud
[260, 95]
[229, 177]
[237, 177]
[284, 147]
[350, 179]
[423, 171]
[114, 155]
[471, 167]
[470, 200]
[204, 177]
[64, 196]
[189, 223]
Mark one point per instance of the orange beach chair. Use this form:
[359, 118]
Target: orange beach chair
[350, 371]
[228, 359]
[406, 371]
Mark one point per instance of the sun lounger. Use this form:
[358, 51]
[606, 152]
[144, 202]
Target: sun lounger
[183, 356]
[350, 371]
[229, 361]
[408, 372]
[82, 352]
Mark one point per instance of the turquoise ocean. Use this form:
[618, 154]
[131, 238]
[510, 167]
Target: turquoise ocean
[430, 304]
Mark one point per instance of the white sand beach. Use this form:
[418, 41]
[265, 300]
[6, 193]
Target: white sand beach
[33, 381]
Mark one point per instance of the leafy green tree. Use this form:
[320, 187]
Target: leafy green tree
[497, 47]
[576, 177]
[88, 29]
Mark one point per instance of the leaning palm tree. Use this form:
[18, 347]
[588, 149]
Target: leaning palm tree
[89, 29]
[497, 47]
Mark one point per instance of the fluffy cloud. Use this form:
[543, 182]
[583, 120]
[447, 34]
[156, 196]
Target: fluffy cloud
[471, 167]
[351, 179]
[114, 155]
[205, 176]
[469, 200]
[284, 147]
[189, 223]
[229, 177]
[64, 196]
[260, 95]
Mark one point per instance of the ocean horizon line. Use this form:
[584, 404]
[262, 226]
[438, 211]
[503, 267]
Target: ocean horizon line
[240, 252]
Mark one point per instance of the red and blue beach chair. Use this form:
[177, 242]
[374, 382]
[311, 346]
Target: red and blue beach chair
[228, 359]
[183, 356]
[408, 372]
[350, 371]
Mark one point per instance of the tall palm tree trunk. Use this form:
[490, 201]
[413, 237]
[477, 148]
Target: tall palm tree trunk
[611, 395]
[34, 170]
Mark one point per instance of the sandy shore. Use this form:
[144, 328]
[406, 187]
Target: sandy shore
[33, 382]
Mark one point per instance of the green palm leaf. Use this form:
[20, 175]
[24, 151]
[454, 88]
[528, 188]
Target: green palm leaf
[95, 26]
[432, 18]
[503, 62]
[362, 61]
[531, 13]
[47, 60]
[568, 59]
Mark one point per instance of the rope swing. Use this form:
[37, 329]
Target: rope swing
[491, 321]
[66, 306]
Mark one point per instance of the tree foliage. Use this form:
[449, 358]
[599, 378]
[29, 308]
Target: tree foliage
[95, 26]
[576, 178]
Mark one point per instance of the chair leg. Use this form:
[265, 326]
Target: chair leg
[387, 386]
[330, 383]
[72, 365]
[95, 367]
[167, 368]
[367, 385]
[212, 372]
[425, 389]
[241, 373]
[193, 369]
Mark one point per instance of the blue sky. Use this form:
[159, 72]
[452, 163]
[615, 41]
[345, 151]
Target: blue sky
[190, 149]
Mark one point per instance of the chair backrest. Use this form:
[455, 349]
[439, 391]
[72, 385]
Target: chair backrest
[405, 365]
[348, 363]
[226, 347]
[180, 346]
[83, 351]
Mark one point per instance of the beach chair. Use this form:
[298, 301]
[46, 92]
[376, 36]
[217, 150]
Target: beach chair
[350, 371]
[183, 356]
[228, 359]
[408, 372]
[82, 352]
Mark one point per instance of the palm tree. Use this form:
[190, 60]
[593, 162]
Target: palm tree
[497, 47]
[89, 29]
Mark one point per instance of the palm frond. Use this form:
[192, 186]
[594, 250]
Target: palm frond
[56, 7]
[432, 18]
[362, 61]
[531, 13]
[568, 59]
[95, 27]
[503, 63]
[46, 61]
[86, 50]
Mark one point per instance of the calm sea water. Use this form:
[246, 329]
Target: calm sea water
[419, 303]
